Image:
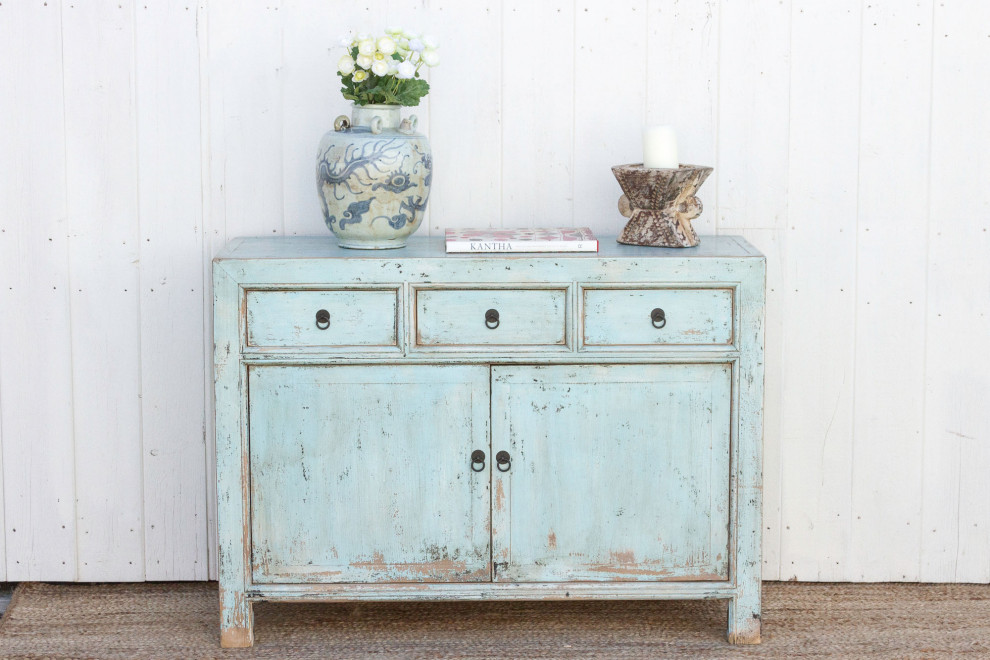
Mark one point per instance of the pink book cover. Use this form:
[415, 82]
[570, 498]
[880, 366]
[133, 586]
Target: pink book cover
[540, 239]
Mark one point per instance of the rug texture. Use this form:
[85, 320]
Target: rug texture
[180, 620]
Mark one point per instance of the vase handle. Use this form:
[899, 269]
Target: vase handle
[341, 123]
[376, 125]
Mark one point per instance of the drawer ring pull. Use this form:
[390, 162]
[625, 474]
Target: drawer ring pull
[477, 458]
[323, 319]
[503, 458]
[491, 319]
[658, 318]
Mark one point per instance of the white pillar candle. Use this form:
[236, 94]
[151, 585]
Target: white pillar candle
[660, 147]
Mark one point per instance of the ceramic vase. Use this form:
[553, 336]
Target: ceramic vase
[373, 173]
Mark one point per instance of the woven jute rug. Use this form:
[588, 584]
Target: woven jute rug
[179, 620]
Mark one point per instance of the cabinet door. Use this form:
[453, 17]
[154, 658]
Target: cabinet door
[364, 473]
[618, 472]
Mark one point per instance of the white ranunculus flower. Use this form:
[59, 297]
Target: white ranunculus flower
[403, 44]
[406, 70]
[347, 39]
[361, 36]
[365, 61]
[430, 41]
[409, 34]
[345, 65]
[379, 68]
[416, 45]
[431, 57]
[393, 30]
[393, 67]
[386, 46]
[360, 76]
[366, 47]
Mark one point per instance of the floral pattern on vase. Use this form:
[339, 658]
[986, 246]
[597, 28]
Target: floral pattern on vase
[374, 174]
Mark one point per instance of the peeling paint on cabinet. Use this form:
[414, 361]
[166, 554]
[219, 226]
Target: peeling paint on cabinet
[463, 467]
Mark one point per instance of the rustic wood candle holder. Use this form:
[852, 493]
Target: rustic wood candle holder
[660, 204]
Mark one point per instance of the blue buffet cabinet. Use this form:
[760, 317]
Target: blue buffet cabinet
[407, 424]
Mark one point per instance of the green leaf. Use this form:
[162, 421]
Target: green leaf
[411, 91]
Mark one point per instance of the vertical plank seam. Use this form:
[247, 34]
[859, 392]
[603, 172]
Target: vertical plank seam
[206, 195]
[501, 113]
[959, 463]
[714, 7]
[428, 221]
[204, 553]
[782, 237]
[856, 287]
[3, 483]
[924, 339]
[717, 102]
[574, 75]
[281, 112]
[68, 277]
[280, 74]
[646, 51]
[140, 367]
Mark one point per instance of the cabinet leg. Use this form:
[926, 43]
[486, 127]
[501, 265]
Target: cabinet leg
[236, 621]
[744, 621]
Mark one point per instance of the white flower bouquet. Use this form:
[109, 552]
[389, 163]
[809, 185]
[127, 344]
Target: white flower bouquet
[386, 69]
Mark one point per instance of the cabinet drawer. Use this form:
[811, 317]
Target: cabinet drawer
[627, 317]
[352, 318]
[516, 317]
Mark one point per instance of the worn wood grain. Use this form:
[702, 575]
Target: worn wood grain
[753, 114]
[816, 392]
[956, 448]
[36, 407]
[573, 434]
[104, 253]
[355, 318]
[459, 317]
[622, 317]
[606, 134]
[363, 474]
[537, 114]
[357, 469]
[891, 291]
[466, 137]
[749, 91]
[173, 350]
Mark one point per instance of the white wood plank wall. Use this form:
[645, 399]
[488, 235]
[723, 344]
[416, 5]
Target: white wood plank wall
[850, 142]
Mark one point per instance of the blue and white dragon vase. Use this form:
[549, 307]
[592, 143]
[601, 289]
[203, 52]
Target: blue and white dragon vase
[373, 172]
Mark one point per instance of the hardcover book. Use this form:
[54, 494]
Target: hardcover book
[556, 239]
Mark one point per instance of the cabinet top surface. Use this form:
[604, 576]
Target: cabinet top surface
[433, 247]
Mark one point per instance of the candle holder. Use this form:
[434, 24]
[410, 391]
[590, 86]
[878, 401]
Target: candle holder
[660, 204]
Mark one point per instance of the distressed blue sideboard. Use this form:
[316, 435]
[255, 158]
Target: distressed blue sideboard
[407, 424]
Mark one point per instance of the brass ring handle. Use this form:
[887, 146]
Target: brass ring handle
[323, 319]
[491, 319]
[658, 318]
[503, 458]
[478, 458]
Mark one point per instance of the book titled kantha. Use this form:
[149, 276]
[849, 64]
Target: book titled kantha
[554, 239]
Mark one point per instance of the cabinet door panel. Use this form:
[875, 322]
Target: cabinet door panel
[363, 473]
[618, 472]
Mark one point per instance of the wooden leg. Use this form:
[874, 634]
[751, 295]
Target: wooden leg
[744, 620]
[236, 621]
